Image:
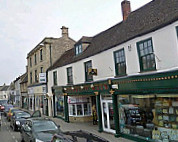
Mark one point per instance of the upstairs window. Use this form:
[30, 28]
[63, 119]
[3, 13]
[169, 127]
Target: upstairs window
[41, 55]
[78, 49]
[35, 59]
[30, 77]
[41, 69]
[69, 75]
[55, 77]
[30, 62]
[146, 55]
[120, 63]
[36, 76]
[88, 77]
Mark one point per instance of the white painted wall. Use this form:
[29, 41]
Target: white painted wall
[165, 46]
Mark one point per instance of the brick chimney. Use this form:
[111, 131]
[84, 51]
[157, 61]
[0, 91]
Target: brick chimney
[125, 9]
[64, 31]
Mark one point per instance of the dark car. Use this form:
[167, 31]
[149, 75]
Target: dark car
[18, 119]
[10, 113]
[6, 108]
[82, 136]
[39, 130]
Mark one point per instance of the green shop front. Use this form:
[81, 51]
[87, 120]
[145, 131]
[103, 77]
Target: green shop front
[140, 107]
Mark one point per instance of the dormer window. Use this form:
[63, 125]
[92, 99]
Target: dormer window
[78, 49]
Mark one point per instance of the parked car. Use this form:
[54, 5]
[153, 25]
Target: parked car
[2, 103]
[39, 130]
[61, 138]
[10, 113]
[6, 108]
[18, 119]
[82, 136]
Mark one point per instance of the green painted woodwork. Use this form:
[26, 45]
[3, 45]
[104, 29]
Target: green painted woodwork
[66, 109]
[135, 138]
[100, 127]
[144, 53]
[116, 115]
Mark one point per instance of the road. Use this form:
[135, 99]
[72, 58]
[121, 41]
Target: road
[7, 134]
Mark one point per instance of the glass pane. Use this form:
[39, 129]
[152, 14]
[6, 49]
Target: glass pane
[145, 44]
[105, 115]
[111, 116]
[79, 109]
[141, 46]
[149, 42]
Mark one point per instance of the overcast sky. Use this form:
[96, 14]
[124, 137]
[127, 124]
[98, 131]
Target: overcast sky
[24, 23]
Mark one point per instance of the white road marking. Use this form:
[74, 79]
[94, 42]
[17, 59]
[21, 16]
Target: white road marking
[13, 137]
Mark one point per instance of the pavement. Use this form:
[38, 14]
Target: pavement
[86, 126]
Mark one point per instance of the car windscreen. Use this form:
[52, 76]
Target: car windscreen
[7, 107]
[14, 110]
[22, 115]
[42, 125]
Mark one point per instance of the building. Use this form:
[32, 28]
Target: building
[23, 90]
[4, 92]
[130, 71]
[39, 59]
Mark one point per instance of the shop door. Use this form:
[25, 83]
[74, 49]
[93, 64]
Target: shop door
[107, 116]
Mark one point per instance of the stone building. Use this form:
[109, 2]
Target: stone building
[39, 59]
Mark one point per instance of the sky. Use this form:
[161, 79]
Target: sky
[25, 23]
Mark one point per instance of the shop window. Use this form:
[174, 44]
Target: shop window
[79, 106]
[146, 55]
[120, 63]
[69, 75]
[88, 65]
[152, 117]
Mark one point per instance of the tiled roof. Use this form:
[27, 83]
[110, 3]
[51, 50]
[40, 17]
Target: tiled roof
[150, 17]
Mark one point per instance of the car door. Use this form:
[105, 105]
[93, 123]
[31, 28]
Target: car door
[27, 131]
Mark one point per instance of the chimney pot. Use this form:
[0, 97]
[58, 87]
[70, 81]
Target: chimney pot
[125, 9]
[64, 31]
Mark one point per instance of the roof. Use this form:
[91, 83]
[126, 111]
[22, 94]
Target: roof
[24, 78]
[4, 88]
[150, 17]
[84, 39]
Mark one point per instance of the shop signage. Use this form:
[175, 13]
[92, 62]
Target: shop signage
[42, 77]
[73, 100]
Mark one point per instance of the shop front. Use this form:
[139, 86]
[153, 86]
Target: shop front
[148, 107]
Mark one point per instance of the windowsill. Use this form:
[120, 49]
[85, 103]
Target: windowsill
[70, 84]
[143, 71]
[122, 75]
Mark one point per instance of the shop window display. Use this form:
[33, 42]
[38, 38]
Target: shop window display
[60, 106]
[150, 116]
[79, 106]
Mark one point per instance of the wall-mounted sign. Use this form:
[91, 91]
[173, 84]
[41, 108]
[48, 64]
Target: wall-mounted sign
[42, 77]
[92, 71]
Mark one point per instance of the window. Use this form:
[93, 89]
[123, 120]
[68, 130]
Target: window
[31, 77]
[41, 69]
[36, 77]
[146, 55]
[120, 64]
[35, 59]
[177, 31]
[69, 75]
[41, 54]
[78, 49]
[30, 62]
[87, 76]
[55, 77]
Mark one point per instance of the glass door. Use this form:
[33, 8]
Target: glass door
[108, 116]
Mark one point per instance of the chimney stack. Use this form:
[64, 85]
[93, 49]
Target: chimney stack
[64, 31]
[125, 9]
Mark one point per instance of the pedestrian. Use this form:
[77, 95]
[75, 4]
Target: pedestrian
[94, 115]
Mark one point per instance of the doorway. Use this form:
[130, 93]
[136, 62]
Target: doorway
[107, 116]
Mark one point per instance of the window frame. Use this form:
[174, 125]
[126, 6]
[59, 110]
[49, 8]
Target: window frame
[41, 54]
[88, 78]
[78, 49]
[41, 69]
[36, 76]
[55, 78]
[69, 75]
[30, 61]
[30, 77]
[35, 59]
[151, 55]
[121, 61]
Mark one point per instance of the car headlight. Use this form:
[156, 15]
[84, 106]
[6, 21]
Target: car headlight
[17, 123]
[37, 140]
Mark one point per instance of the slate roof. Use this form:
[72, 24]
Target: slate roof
[24, 78]
[4, 88]
[152, 16]
[84, 39]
